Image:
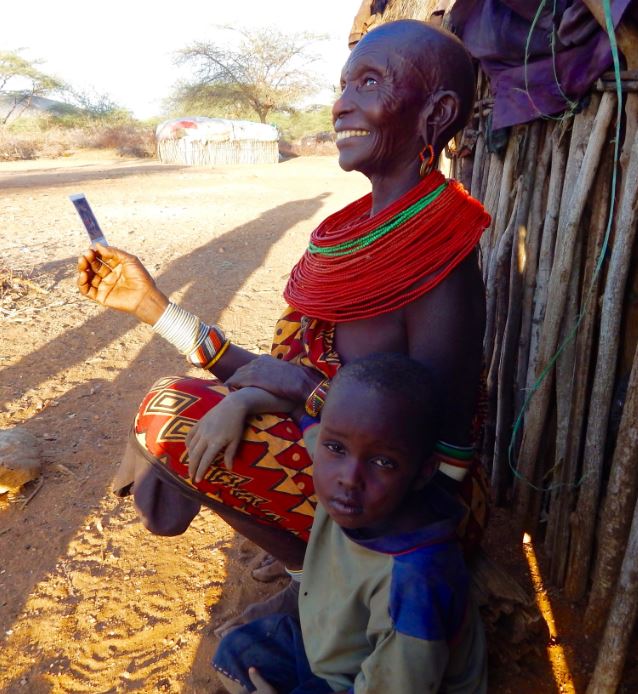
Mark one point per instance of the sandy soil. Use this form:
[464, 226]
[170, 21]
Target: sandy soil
[89, 601]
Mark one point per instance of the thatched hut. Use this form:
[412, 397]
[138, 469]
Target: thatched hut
[552, 152]
[200, 141]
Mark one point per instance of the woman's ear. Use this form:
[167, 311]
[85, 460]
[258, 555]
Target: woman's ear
[438, 115]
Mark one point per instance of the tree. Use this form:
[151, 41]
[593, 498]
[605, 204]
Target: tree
[266, 70]
[96, 107]
[20, 81]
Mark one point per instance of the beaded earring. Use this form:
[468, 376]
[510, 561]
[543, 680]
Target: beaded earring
[426, 155]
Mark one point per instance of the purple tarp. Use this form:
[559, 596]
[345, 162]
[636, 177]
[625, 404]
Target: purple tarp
[495, 32]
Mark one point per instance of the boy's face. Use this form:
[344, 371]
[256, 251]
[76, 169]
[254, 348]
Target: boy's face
[368, 458]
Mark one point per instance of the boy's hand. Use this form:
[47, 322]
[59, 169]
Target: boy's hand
[262, 687]
[219, 429]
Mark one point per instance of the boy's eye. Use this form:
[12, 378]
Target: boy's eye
[383, 463]
[334, 447]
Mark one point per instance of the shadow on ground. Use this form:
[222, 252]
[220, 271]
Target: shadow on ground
[107, 407]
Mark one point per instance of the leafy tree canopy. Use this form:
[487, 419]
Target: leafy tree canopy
[260, 71]
[20, 81]
[98, 107]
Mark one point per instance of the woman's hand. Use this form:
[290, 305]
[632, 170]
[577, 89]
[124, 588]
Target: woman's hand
[118, 280]
[220, 429]
[260, 684]
[276, 376]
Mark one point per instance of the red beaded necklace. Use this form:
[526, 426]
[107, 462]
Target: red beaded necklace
[358, 266]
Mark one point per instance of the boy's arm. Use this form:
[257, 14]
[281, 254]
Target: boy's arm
[257, 400]
[221, 428]
[413, 665]
[403, 664]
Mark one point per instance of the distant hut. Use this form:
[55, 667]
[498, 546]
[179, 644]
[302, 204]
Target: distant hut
[199, 141]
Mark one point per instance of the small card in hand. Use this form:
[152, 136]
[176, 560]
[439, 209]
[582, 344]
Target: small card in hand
[88, 218]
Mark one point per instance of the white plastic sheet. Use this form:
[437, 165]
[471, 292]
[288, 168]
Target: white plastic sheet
[202, 129]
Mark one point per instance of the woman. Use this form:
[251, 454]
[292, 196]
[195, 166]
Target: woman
[394, 272]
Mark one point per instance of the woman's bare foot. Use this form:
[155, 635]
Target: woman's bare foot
[268, 570]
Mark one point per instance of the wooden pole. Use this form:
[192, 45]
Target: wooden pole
[546, 253]
[498, 228]
[612, 651]
[499, 295]
[600, 402]
[564, 396]
[480, 149]
[509, 350]
[479, 163]
[561, 533]
[485, 179]
[489, 197]
[622, 491]
[532, 249]
[557, 297]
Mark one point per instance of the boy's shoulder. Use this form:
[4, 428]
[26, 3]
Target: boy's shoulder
[429, 592]
[430, 585]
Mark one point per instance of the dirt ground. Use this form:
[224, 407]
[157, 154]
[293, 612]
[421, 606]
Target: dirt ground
[90, 601]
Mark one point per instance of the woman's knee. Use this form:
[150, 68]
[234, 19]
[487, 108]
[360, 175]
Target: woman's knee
[162, 508]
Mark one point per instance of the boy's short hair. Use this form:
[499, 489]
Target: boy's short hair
[398, 374]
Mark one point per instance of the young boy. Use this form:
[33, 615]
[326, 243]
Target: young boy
[385, 599]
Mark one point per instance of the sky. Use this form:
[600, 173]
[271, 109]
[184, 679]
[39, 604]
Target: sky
[125, 48]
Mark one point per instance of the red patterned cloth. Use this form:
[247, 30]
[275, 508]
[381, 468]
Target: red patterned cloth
[271, 479]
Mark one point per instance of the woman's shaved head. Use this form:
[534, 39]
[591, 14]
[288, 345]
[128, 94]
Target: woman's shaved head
[431, 61]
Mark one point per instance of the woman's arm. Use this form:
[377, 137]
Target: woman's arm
[118, 280]
[279, 377]
[445, 330]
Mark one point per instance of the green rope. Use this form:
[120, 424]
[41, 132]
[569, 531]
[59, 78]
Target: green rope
[609, 26]
[354, 245]
[572, 105]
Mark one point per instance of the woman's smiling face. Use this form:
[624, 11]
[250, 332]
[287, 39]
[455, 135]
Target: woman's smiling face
[376, 118]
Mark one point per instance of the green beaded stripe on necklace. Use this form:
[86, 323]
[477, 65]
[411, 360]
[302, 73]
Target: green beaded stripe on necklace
[354, 245]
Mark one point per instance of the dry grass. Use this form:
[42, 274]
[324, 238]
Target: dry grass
[127, 139]
[36, 142]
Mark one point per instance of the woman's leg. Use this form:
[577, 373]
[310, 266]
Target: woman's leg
[280, 543]
[166, 507]
[270, 484]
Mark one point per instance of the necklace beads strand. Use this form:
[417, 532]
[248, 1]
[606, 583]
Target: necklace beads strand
[348, 247]
[355, 268]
